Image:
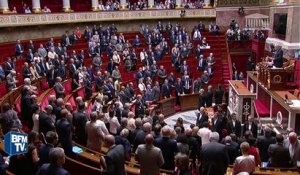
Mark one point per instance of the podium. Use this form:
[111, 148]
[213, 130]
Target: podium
[240, 100]
[189, 101]
[272, 78]
[167, 106]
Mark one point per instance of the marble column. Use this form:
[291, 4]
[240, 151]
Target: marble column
[36, 6]
[4, 6]
[123, 4]
[178, 4]
[95, 5]
[151, 4]
[67, 6]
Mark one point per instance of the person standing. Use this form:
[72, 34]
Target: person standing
[147, 154]
[115, 157]
[214, 156]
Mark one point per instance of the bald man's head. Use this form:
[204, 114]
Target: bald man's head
[149, 139]
[166, 131]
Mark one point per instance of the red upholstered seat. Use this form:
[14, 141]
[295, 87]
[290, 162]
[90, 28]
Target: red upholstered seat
[44, 85]
[80, 92]
[68, 86]
[3, 89]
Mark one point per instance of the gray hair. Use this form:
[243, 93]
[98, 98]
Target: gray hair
[93, 116]
[56, 154]
[214, 136]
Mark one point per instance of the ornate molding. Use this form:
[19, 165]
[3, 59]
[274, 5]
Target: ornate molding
[230, 3]
[60, 18]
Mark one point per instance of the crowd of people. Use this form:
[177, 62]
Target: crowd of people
[235, 33]
[128, 125]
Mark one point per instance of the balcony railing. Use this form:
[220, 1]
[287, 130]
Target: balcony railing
[60, 18]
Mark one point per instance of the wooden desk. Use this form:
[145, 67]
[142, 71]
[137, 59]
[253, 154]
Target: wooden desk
[167, 106]
[272, 78]
[189, 101]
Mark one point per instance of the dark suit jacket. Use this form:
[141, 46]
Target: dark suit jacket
[169, 149]
[263, 144]
[156, 93]
[79, 122]
[219, 96]
[26, 72]
[200, 121]
[279, 156]
[278, 58]
[214, 159]
[202, 100]
[48, 169]
[44, 153]
[232, 153]
[26, 107]
[253, 128]
[166, 90]
[59, 89]
[45, 123]
[64, 131]
[115, 160]
[209, 98]
[235, 130]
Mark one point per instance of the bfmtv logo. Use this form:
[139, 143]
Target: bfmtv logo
[15, 143]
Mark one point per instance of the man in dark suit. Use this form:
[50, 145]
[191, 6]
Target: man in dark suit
[88, 89]
[201, 117]
[234, 126]
[279, 155]
[19, 49]
[52, 140]
[168, 147]
[72, 68]
[202, 63]
[185, 67]
[79, 121]
[250, 125]
[64, 131]
[115, 157]
[231, 149]
[8, 66]
[166, 90]
[156, 91]
[124, 98]
[219, 93]
[202, 98]
[26, 71]
[209, 96]
[57, 159]
[51, 75]
[59, 89]
[217, 122]
[263, 143]
[214, 156]
[26, 102]
[45, 122]
[278, 57]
